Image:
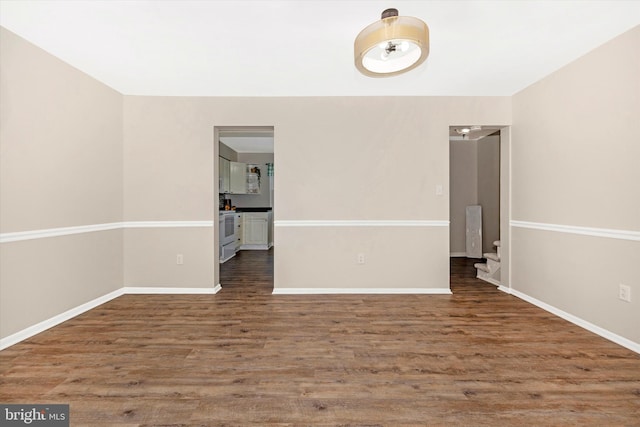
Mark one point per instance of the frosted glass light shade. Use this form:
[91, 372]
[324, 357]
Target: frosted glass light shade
[391, 46]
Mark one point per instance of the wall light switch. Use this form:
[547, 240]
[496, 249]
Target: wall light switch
[439, 190]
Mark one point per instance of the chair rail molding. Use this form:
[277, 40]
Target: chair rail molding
[361, 223]
[585, 231]
[92, 228]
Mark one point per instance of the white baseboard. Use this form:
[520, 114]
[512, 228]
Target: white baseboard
[255, 247]
[361, 223]
[458, 254]
[627, 343]
[222, 261]
[56, 320]
[389, 291]
[504, 289]
[167, 290]
[69, 314]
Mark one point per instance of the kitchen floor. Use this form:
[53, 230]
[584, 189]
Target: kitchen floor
[251, 270]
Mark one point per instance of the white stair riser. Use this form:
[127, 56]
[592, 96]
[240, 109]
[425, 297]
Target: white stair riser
[490, 271]
[490, 267]
[490, 279]
[493, 265]
[483, 274]
[494, 256]
[482, 267]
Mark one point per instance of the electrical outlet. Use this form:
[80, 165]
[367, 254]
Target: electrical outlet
[360, 258]
[624, 293]
[179, 259]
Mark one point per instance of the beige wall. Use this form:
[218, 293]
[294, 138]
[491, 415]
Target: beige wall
[575, 162]
[226, 152]
[395, 257]
[505, 206]
[580, 276]
[475, 180]
[69, 143]
[42, 278]
[463, 160]
[169, 172]
[575, 149]
[61, 166]
[61, 142]
[489, 190]
[157, 249]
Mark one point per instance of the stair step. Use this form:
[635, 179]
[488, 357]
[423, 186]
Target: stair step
[492, 256]
[488, 278]
[493, 265]
[482, 266]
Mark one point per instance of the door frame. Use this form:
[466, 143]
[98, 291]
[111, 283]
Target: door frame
[505, 206]
[216, 192]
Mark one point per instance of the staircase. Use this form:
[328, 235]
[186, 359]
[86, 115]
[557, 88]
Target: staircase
[490, 272]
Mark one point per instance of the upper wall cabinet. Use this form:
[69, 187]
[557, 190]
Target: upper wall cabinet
[253, 179]
[237, 178]
[224, 170]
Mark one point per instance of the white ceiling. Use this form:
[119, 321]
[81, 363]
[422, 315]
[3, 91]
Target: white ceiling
[247, 139]
[305, 48]
[476, 132]
[241, 144]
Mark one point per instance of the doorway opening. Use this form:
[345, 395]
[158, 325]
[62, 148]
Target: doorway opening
[244, 165]
[479, 182]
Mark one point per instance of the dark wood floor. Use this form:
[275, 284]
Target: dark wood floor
[245, 357]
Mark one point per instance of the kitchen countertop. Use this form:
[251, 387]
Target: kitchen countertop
[263, 209]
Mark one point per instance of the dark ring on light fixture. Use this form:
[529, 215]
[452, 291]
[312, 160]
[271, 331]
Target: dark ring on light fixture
[387, 13]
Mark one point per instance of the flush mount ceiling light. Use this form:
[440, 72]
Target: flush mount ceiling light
[391, 46]
[466, 130]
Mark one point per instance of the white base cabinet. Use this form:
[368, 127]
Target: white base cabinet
[256, 228]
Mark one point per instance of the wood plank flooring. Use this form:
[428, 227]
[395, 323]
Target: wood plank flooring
[245, 357]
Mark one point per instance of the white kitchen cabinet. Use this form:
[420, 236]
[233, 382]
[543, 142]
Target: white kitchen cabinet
[255, 228]
[237, 178]
[253, 183]
[253, 179]
[224, 172]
